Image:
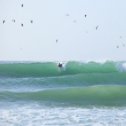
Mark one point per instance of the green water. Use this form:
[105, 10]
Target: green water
[79, 93]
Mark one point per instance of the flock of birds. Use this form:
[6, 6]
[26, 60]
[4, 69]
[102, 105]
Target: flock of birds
[75, 21]
[123, 44]
[96, 28]
[57, 40]
[14, 21]
[85, 17]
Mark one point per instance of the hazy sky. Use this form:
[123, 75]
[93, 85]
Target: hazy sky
[63, 20]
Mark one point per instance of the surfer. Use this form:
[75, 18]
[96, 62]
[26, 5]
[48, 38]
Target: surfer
[60, 65]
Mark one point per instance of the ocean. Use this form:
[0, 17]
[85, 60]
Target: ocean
[78, 94]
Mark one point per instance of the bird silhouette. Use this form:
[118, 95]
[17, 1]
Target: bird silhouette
[13, 20]
[123, 45]
[22, 5]
[97, 27]
[117, 46]
[57, 40]
[120, 37]
[67, 14]
[74, 21]
[31, 21]
[3, 21]
[22, 25]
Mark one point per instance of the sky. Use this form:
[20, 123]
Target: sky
[61, 32]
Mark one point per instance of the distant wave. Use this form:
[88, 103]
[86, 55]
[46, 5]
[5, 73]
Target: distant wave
[51, 68]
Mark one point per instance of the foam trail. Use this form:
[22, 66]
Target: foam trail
[32, 114]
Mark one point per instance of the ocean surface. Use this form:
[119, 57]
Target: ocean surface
[78, 94]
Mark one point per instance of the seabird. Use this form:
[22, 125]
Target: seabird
[13, 20]
[67, 15]
[31, 21]
[3, 21]
[75, 21]
[22, 5]
[117, 46]
[123, 45]
[97, 27]
[56, 40]
[22, 25]
[120, 37]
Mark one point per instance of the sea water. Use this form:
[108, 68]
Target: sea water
[79, 94]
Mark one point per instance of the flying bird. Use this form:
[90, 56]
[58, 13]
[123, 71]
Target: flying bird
[13, 20]
[22, 25]
[22, 5]
[97, 27]
[57, 40]
[117, 46]
[85, 15]
[31, 21]
[123, 45]
[3, 21]
[120, 37]
[67, 15]
[75, 21]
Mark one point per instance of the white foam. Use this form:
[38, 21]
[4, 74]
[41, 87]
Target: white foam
[124, 66]
[121, 66]
[34, 115]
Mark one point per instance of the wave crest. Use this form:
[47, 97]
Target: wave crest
[52, 69]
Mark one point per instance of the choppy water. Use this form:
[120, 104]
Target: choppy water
[79, 94]
[38, 115]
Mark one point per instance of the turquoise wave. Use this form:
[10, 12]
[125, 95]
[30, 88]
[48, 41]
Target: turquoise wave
[52, 69]
[83, 79]
[92, 95]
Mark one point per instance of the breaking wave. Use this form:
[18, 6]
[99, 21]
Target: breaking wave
[93, 95]
[52, 69]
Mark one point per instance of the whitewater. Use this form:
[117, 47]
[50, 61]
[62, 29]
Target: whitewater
[78, 94]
